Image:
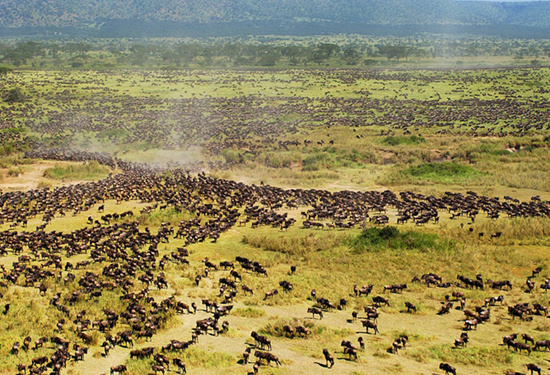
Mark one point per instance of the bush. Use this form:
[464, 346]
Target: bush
[403, 140]
[375, 239]
[14, 95]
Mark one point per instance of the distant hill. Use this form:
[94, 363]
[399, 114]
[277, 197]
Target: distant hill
[93, 16]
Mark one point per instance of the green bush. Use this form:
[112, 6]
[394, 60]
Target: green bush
[375, 239]
[14, 95]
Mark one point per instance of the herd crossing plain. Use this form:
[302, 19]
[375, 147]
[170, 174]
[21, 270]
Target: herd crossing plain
[275, 221]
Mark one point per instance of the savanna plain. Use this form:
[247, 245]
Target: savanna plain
[275, 201]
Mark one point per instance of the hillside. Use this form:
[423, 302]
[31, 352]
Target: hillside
[95, 14]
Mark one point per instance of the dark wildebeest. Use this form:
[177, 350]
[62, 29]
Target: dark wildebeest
[329, 358]
[447, 368]
[533, 368]
[368, 324]
[120, 369]
[315, 311]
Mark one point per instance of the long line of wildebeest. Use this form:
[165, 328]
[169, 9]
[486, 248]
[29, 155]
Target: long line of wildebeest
[131, 254]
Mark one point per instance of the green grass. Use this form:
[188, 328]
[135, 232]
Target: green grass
[249, 312]
[11, 161]
[295, 244]
[440, 172]
[363, 157]
[197, 357]
[91, 170]
[168, 215]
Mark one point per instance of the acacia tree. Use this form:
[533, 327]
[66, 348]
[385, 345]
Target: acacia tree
[324, 51]
[351, 55]
[393, 52]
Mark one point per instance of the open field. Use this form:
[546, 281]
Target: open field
[124, 192]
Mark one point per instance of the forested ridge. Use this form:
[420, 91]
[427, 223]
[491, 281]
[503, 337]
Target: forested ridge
[94, 13]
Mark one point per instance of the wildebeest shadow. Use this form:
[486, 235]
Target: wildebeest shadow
[321, 364]
[349, 359]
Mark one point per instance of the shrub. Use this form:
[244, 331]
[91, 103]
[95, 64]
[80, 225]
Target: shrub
[403, 140]
[375, 239]
[14, 95]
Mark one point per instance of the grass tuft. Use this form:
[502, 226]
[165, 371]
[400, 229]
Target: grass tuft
[89, 171]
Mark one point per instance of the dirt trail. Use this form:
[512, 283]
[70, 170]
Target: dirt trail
[295, 354]
[25, 181]
[98, 364]
[31, 177]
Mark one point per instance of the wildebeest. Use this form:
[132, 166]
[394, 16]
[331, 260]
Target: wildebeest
[315, 311]
[462, 341]
[447, 368]
[271, 293]
[533, 368]
[328, 358]
[120, 369]
[410, 307]
[180, 365]
[379, 300]
[542, 344]
[246, 355]
[372, 325]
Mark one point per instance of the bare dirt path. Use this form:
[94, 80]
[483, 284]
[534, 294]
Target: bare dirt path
[296, 354]
[32, 176]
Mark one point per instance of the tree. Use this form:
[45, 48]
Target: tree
[351, 55]
[393, 52]
[323, 52]
[77, 48]
[269, 59]
[293, 54]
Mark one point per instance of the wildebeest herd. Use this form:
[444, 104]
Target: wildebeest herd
[246, 123]
[120, 258]
[109, 284]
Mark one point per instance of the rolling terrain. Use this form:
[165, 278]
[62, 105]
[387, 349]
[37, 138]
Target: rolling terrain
[160, 19]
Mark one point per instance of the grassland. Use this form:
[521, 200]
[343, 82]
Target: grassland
[493, 142]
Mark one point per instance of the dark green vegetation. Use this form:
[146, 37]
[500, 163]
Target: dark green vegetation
[389, 237]
[275, 52]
